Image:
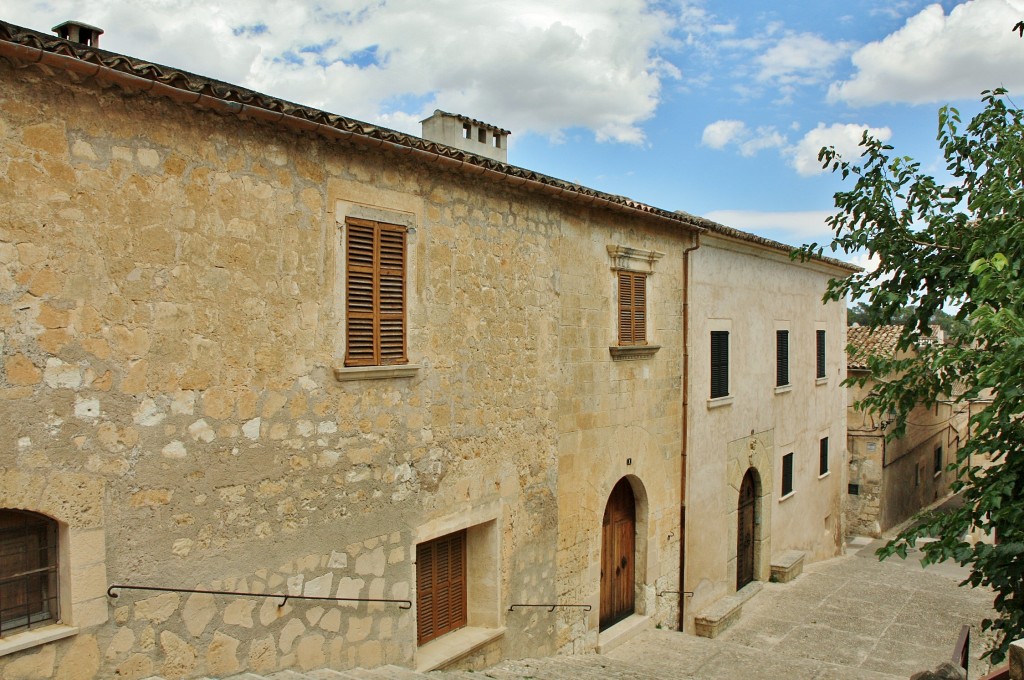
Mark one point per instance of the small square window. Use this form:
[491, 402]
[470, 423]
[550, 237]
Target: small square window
[467, 131]
[853, 489]
[823, 456]
[787, 474]
[481, 135]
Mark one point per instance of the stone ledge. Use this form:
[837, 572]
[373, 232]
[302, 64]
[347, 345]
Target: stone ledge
[787, 566]
[714, 620]
[346, 373]
[624, 630]
[453, 646]
[33, 638]
[625, 352]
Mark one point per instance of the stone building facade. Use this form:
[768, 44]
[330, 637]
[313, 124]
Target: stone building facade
[891, 479]
[190, 402]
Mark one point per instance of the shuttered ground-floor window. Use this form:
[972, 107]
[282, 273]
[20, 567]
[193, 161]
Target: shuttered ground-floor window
[440, 586]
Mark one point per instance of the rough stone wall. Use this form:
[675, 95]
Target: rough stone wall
[751, 294]
[171, 328]
[617, 418]
[897, 478]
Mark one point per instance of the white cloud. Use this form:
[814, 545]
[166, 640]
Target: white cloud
[719, 134]
[938, 58]
[800, 59]
[723, 133]
[531, 65]
[844, 137]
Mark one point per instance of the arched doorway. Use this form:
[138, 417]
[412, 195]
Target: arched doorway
[745, 530]
[618, 555]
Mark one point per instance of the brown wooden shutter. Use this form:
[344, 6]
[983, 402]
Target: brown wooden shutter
[632, 308]
[375, 294]
[719, 364]
[440, 586]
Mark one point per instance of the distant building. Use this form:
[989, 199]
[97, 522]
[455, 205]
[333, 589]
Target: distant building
[889, 481]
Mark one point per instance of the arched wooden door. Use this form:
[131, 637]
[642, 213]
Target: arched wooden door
[745, 532]
[618, 555]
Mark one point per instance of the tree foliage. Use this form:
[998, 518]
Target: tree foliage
[957, 243]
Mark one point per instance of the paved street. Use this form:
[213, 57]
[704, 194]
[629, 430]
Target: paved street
[850, 617]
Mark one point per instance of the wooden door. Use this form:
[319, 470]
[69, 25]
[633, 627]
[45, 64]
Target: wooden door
[618, 555]
[745, 532]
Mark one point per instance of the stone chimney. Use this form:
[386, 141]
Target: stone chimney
[76, 31]
[467, 134]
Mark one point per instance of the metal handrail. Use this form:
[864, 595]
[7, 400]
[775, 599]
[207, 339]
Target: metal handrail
[402, 604]
[962, 650]
[551, 607]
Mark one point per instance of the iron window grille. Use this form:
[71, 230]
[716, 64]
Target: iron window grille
[28, 570]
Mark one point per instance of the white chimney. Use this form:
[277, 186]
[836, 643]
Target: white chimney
[76, 31]
[467, 134]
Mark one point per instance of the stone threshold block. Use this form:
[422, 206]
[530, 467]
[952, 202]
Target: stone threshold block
[714, 620]
[787, 566]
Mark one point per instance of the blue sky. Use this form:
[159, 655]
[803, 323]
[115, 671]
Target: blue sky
[715, 108]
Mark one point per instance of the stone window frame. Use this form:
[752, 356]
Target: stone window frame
[81, 551]
[484, 609]
[628, 263]
[344, 211]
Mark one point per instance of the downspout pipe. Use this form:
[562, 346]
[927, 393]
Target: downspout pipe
[684, 430]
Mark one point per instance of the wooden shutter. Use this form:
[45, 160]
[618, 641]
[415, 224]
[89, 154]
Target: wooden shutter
[375, 294]
[781, 358]
[820, 338]
[787, 474]
[632, 308]
[440, 586]
[823, 456]
[719, 363]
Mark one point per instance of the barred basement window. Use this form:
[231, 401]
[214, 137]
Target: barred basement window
[375, 294]
[440, 586]
[632, 308]
[820, 354]
[28, 570]
[781, 358]
[719, 364]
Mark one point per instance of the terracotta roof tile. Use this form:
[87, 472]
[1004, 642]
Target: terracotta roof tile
[865, 340]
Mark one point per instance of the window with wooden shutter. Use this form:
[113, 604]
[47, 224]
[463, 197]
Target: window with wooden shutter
[781, 358]
[820, 354]
[823, 456]
[787, 474]
[374, 293]
[28, 570]
[632, 308]
[719, 364]
[440, 586]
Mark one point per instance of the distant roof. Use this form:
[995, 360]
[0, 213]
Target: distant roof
[27, 46]
[865, 340]
[881, 341]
